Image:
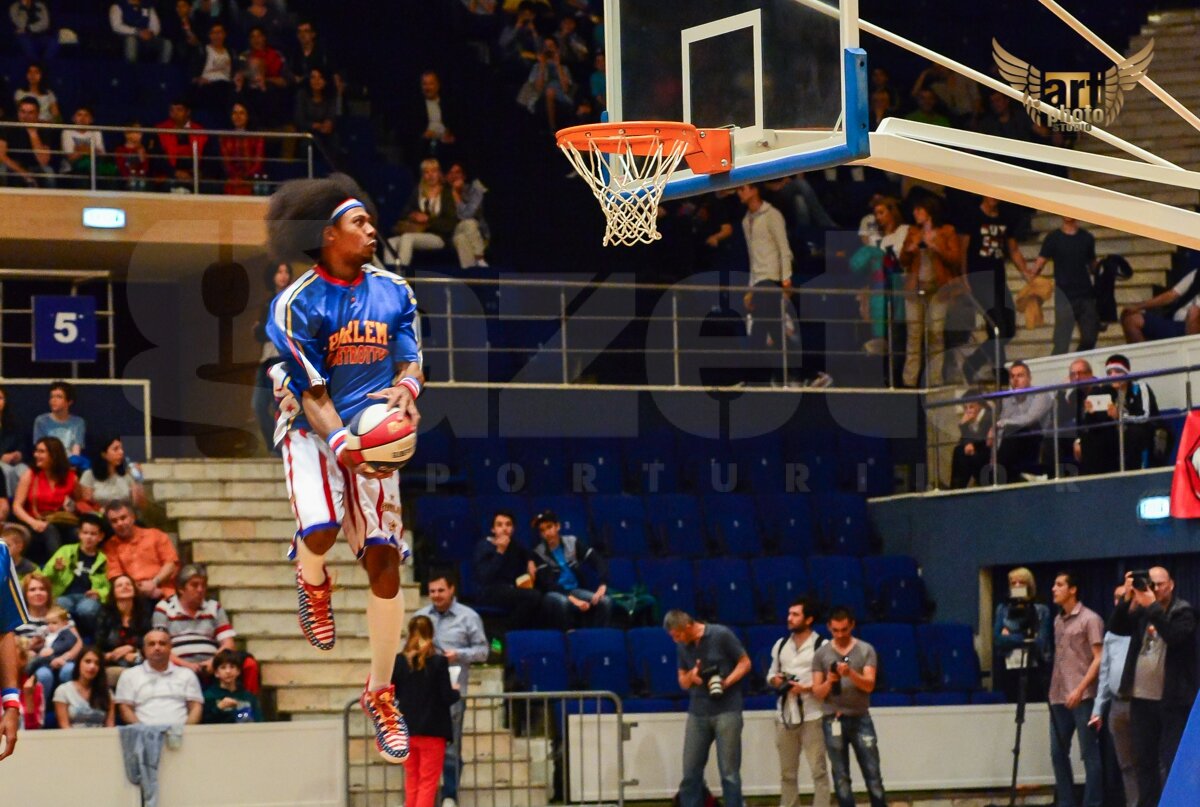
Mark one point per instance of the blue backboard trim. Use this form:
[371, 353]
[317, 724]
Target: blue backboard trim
[856, 147]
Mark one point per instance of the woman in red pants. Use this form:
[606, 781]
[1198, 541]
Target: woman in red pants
[424, 693]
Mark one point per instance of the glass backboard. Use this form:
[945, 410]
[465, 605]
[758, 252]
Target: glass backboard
[780, 73]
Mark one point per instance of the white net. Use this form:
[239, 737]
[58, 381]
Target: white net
[628, 186]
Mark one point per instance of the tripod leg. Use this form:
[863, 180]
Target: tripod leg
[1022, 684]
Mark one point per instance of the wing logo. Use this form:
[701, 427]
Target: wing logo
[1081, 99]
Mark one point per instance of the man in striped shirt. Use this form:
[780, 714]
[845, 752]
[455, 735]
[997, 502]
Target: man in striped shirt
[12, 614]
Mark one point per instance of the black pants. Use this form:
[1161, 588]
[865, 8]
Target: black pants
[1068, 314]
[1018, 453]
[965, 467]
[1000, 309]
[524, 604]
[1157, 729]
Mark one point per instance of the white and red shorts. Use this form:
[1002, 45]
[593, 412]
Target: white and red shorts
[324, 493]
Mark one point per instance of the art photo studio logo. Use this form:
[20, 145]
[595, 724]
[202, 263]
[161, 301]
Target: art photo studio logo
[1084, 99]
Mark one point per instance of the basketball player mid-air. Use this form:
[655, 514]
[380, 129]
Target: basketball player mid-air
[347, 337]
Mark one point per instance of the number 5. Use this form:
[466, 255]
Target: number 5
[65, 329]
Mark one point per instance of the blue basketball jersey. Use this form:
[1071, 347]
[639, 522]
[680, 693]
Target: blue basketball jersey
[12, 604]
[348, 337]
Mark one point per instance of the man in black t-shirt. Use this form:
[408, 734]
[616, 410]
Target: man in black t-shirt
[988, 239]
[23, 152]
[504, 572]
[1073, 250]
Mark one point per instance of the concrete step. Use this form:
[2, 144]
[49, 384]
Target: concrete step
[198, 529]
[346, 573]
[240, 490]
[296, 648]
[277, 509]
[283, 624]
[221, 470]
[349, 600]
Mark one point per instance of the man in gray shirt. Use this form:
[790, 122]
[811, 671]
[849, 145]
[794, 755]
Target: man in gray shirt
[712, 664]
[843, 679]
[1024, 422]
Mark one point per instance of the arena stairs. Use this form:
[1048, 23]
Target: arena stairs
[1146, 122]
[234, 516]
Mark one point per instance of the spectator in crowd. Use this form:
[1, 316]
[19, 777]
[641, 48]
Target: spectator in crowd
[1159, 674]
[199, 627]
[884, 229]
[40, 502]
[1002, 119]
[1024, 423]
[572, 46]
[225, 699]
[550, 87]
[434, 123]
[426, 698]
[33, 29]
[971, 454]
[36, 591]
[770, 264]
[1020, 617]
[186, 37]
[308, 55]
[250, 89]
[1073, 251]
[881, 81]
[78, 574]
[560, 560]
[112, 477]
[1180, 306]
[144, 553]
[12, 616]
[988, 238]
[932, 262]
[53, 663]
[1076, 416]
[880, 107]
[316, 111]
[136, 24]
[70, 430]
[471, 233]
[520, 42]
[1133, 404]
[242, 155]
[798, 725]
[13, 446]
[212, 86]
[157, 692]
[133, 159]
[430, 219]
[598, 85]
[180, 161]
[795, 198]
[35, 88]
[956, 93]
[1111, 711]
[277, 277]
[269, 19]
[82, 146]
[505, 572]
[843, 679]
[1078, 642]
[711, 665]
[123, 622]
[267, 69]
[16, 537]
[458, 636]
[85, 701]
[23, 150]
[33, 695]
[928, 109]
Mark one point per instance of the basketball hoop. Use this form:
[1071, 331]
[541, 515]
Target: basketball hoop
[627, 165]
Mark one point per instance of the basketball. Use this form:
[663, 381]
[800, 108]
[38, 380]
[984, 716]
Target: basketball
[383, 437]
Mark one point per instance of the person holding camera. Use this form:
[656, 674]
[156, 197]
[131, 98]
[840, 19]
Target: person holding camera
[1111, 710]
[798, 726]
[1160, 672]
[1021, 639]
[844, 678]
[1078, 641]
[712, 664]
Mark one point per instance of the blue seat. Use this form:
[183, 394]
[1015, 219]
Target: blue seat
[709, 466]
[844, 526]
[598, 660]
[777, 584]
[653, 663]
[948, 656]
[733, 524]
[884, 699]
[788, 523]
[671, 582]
[650, 463]
[899, 663]
[941, 699]
[537, 660]
[864, 464]
[491, 467]
[484, 508]
[571, 512]
[877, 568]
[761, 462]
[619, 523]
[838, 581]
[759, 640]
[895, 589]
[810, 472]
[446, 520]
[594, 466]
[676, 526]
[622, 576]
[725, 591]
[543, 464]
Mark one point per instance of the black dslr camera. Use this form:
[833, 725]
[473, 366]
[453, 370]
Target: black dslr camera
[785, 688]
[1141, 580]
[836, 688]
[711, 677]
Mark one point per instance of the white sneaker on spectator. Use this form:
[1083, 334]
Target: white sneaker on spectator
[480, 262]
[449, 802]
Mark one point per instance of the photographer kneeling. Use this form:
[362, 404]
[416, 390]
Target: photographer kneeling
[712, 664]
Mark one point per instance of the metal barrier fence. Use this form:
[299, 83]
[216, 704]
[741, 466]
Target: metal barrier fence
[519, 749]
[254, 163]
[16, 322]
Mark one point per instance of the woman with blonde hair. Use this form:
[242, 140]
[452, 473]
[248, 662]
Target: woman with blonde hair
[424, 694]
[429, 220]
[1019, 617]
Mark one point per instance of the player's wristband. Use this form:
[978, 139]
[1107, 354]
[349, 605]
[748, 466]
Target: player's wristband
[10, 699]
[414, 386]
[337, 442]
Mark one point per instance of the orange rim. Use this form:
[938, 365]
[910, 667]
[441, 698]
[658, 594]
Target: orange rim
[707, 151]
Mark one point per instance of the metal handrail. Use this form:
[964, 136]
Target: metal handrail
[156, 130]
[1089, 382]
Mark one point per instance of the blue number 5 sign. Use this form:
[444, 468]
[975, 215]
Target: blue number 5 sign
[64, 328]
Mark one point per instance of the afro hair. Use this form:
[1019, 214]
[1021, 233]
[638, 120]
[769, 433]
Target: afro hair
[299, 212]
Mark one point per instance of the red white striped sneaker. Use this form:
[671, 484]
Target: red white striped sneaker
[391, 732]
[316, 611]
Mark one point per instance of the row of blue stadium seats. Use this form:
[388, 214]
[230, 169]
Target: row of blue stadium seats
[673, 524]
[656, 463]
[928, 664]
